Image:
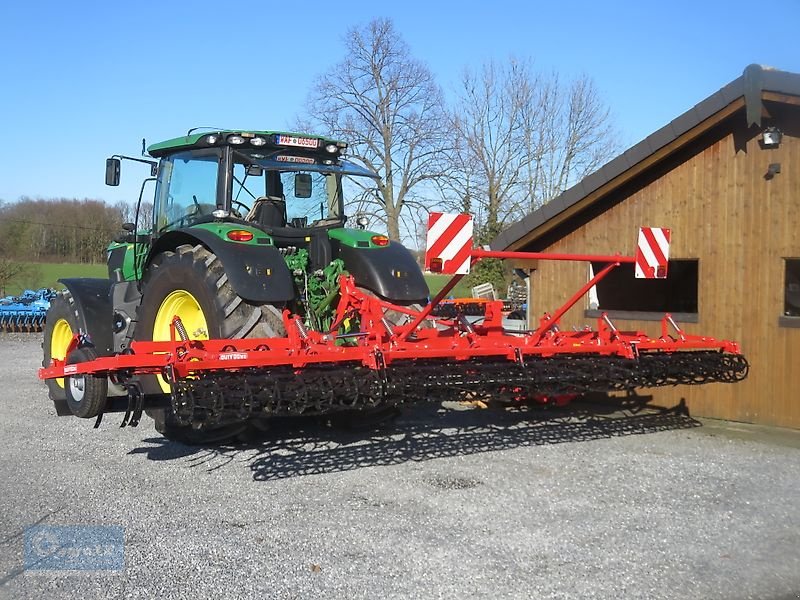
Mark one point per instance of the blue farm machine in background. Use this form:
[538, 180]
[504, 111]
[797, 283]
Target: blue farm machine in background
[26, 312]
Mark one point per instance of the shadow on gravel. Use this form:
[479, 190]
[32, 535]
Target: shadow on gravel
[425, 432]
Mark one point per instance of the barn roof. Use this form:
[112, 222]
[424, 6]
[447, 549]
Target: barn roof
[756, 83]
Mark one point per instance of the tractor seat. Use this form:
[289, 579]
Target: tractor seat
[268, 212]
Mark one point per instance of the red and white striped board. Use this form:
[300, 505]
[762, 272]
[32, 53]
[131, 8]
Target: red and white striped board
[449, 243]
[652, 253]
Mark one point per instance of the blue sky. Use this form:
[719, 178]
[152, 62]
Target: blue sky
[84, 80]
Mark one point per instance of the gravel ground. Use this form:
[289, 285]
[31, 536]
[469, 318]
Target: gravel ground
[446, 504]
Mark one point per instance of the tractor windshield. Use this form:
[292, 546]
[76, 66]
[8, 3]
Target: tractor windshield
[274, 191]
[305, 194]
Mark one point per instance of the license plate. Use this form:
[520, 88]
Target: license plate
[298, 142]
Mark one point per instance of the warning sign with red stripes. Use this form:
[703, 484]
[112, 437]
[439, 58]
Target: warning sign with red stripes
[449, 243]
[652, 253]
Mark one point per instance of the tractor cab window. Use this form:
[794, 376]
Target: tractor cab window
[187, 190]
[295, 198]
[309, 196]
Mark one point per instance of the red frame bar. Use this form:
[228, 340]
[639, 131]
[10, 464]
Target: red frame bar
[478, 253]
[379, 344]
[549, 322]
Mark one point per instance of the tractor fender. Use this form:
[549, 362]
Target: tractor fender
[390, 271]
[93, 305]
[256, 273]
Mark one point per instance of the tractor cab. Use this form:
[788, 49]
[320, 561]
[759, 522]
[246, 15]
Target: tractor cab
[289, 186]
[282, 183]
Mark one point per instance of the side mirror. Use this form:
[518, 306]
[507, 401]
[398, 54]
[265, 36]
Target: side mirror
[112, 171]
[128, 227]
[302, 185]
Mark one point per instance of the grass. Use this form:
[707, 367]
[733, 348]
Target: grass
[437, 282]
[47, 275]
[39, 275]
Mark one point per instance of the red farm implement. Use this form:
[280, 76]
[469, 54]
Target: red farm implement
[379, 353]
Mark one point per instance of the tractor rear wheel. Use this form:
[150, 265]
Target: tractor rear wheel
[191, 283]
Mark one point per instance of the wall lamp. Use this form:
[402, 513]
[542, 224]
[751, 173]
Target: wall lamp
[771, 137]
[772, 170]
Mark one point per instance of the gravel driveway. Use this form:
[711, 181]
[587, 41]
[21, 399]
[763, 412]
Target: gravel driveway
[445, 504]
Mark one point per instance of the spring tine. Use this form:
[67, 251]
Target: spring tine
[138, 406]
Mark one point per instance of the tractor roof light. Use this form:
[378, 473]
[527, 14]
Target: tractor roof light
[258, 141]
[236, 140]
[212, 139]
[380, 240]
[332, 148]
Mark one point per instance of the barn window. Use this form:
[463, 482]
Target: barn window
[791, 293]
[623, 296]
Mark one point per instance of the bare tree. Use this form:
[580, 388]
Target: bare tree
[568, 134]
[128, 213]
[387, 106]
[520, 139]
[20, 274]
[9, 269]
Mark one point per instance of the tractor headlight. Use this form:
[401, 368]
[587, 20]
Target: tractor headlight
[258, 141]
[220, 214]
[236, 140]
[212, 139]
[332, 148]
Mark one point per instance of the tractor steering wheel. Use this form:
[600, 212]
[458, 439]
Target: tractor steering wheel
[240, 214]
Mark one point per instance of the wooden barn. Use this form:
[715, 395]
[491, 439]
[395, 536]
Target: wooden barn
[725, 177]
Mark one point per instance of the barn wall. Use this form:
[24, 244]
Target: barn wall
[740, 226]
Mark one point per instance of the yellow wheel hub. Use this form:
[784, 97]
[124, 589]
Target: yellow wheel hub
[182, 304]
[59, 342]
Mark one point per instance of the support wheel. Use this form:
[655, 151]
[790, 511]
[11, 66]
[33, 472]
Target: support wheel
[86, 394]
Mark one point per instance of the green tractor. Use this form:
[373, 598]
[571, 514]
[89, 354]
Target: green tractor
[246, 224]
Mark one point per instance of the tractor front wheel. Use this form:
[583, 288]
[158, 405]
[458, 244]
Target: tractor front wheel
[191, 283]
